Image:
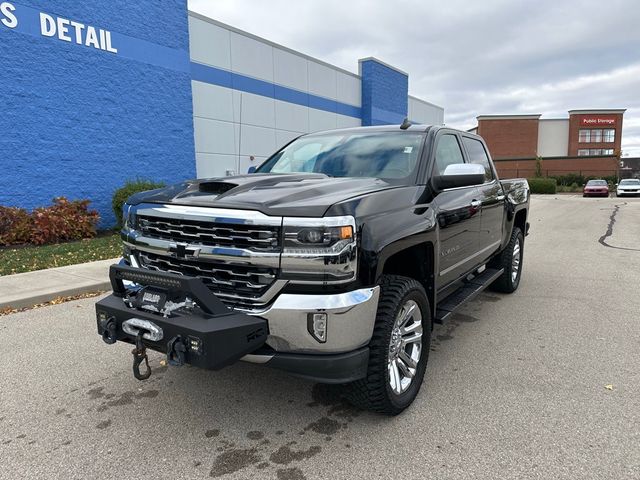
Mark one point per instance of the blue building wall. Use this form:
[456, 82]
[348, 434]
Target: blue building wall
[385, 93]
[79, 121]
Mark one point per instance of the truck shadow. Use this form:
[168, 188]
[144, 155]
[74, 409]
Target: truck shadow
[254, 418]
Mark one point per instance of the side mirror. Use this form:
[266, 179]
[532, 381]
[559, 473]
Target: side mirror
[251, 170]
[460, 175]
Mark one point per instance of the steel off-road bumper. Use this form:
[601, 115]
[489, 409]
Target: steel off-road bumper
[213, 335]
[216, 336]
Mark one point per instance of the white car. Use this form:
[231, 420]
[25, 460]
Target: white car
[628, 186]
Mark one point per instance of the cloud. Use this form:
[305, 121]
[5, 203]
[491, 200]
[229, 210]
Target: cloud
[496, 56]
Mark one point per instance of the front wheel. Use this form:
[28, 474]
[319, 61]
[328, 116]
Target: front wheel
[511, 260]
[399, 348]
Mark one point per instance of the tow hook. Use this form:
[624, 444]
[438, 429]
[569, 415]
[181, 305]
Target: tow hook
[109, 331]
[175, 351]
[140, 355]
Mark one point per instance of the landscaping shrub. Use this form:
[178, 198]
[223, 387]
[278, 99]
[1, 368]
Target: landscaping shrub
[15, 226]
[132, 186]
[64, 220]
[542, 185]
[580, 180]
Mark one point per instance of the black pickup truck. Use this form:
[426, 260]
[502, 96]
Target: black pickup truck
[332, 261]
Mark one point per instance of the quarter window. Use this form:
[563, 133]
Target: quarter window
[448, 152]
[477, 154]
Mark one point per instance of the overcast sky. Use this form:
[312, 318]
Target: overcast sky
[472, 58]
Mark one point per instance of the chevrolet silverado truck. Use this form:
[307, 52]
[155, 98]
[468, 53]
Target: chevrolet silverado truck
[332, 261]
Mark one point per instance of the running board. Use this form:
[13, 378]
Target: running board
[468, 292]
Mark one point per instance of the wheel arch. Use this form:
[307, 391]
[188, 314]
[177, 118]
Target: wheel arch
[413, 261]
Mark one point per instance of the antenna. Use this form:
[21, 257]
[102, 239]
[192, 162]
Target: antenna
[405, 124]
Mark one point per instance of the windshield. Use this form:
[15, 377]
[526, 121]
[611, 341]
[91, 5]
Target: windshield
[630, 181]
[597, 182]
[388, 155]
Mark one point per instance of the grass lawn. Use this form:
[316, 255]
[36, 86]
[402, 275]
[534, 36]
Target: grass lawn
[27, 259]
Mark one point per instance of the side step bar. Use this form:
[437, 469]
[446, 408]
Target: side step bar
[468, 292]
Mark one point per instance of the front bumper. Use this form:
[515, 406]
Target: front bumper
[621, 193]
[350, 320]
[279, 337]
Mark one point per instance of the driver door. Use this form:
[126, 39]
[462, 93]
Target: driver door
[458, 216]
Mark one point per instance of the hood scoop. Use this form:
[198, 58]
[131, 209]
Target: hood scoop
[216, 188]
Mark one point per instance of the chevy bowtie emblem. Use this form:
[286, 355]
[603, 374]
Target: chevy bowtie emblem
[183, 250]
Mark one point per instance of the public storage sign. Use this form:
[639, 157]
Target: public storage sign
[598, 121]
[62, 28]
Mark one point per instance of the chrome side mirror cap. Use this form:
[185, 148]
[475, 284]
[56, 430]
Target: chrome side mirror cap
[460, 175]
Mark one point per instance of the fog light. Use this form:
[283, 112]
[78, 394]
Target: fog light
[317, 326]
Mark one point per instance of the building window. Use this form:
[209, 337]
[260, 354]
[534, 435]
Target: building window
[609, 135]
[607, 151]
[583, 152]
[596, 135]
[595, 152]
[584, 136]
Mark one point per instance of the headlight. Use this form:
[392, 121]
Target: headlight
[317, 238]
[128, 218]
[319, 250]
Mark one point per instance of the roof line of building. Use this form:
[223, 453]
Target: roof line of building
[217, 23]
[424, 101]
[599, 110]
[526, 116]
[382, 63]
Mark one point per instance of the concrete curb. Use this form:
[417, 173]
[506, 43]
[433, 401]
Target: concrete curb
[27, 289]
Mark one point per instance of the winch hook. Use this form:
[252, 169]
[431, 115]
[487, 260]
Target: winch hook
[140, 355]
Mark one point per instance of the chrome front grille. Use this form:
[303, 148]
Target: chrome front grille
[250, 237]
[244, 286]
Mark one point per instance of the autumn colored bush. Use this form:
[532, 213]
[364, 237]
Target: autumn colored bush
[15, 226]
[63, 221]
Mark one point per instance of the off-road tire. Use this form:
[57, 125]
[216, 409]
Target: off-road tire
[506, 283]
[374, 391]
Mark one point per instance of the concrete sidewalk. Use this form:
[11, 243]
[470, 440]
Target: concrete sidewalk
[28, 289]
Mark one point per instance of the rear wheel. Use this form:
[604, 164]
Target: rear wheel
[399, 348]
[511, 260]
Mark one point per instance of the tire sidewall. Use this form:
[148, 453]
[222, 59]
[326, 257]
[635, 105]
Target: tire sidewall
[404, 399]
[517, 237]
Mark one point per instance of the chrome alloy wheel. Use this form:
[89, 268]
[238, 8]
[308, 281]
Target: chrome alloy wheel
[405, 347]
[515, 262]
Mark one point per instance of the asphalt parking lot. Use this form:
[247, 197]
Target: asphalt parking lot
[516, 386]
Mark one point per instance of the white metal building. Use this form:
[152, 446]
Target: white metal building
[251, 96]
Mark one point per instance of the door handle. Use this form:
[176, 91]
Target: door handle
[500, 198]
[476, 204]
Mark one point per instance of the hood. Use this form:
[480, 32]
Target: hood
[303, 195]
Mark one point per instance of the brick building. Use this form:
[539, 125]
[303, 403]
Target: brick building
[587, 142]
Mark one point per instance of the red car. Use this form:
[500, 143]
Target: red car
[596, 188]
